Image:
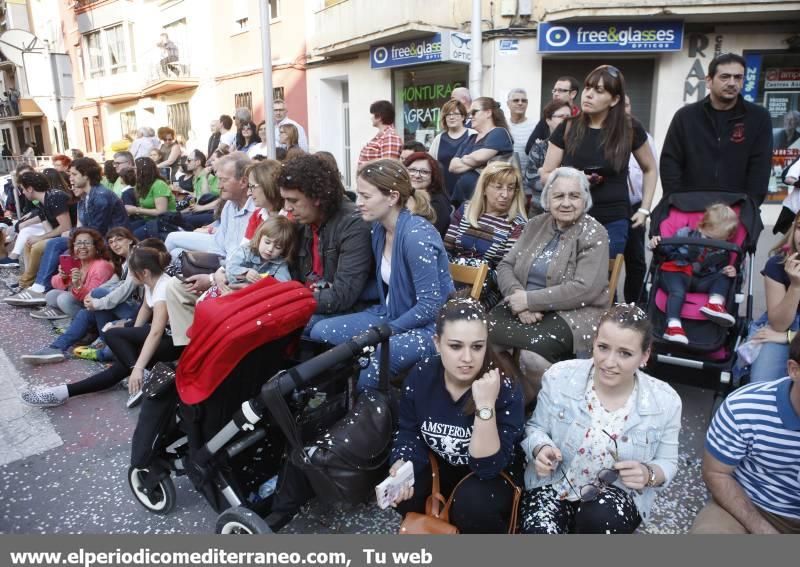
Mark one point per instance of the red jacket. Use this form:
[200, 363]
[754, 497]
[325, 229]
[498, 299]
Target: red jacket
[226, 329]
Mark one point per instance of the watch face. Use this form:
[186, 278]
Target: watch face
[485, 413]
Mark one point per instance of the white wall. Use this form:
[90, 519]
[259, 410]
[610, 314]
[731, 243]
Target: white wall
[324, 105]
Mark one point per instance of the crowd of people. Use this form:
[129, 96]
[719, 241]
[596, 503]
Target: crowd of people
[539, 378]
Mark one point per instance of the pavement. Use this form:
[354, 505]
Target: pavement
[63, 470]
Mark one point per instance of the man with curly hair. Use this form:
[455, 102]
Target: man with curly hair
[335, 256]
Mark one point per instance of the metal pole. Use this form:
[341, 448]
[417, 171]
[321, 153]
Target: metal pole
[57, 97]
[266, 63]
[476, 62]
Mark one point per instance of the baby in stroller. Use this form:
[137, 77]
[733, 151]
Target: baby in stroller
[697, 268]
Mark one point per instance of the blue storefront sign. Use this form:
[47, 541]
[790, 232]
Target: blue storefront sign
[751, 75]
[443, 46]
[610, 37]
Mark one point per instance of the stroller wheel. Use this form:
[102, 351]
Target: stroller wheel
[241, 521]
[160, 499]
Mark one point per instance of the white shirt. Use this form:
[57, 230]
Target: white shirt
[257, 150]
[229, 138]
[158, 293]
[636, 175]
[302, 139]
[520, 134]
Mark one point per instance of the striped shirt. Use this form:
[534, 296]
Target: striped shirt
[493, 238]
[758, 431]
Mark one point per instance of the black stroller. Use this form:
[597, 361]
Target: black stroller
[229, 449]
[709, 357]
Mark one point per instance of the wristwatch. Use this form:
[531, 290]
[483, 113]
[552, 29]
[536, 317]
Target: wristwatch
[485, 413]
[651, 472]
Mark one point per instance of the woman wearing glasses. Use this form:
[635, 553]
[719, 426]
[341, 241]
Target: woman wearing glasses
[492, 140]
[599, 142]
[447, 143]
[554, 114]
[426, 176]
[603, 438]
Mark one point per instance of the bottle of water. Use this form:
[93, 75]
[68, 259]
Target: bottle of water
[266, 489]
[748, 351]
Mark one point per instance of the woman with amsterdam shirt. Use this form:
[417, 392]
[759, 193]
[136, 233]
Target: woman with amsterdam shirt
[599, 141]
[467, 417]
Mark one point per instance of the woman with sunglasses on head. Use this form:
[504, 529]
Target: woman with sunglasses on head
[603, 437]
[247, 137]
[447, 143]
[492, 140]
[599, 142]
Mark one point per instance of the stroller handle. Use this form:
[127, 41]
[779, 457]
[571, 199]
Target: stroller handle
[705, 242]
[303, 373]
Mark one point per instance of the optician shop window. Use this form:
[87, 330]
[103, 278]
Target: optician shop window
[419, 93]
[773, 80]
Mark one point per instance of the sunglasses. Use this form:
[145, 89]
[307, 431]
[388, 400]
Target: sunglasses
[605, 478]
[611, 70]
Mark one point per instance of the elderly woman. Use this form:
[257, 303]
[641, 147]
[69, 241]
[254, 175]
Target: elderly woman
[554, 280]
[486, 227]
[603, 438]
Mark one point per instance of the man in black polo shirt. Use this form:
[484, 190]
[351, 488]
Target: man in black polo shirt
[721, 143]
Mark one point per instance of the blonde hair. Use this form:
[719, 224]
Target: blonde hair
[787, 246]
[291, 132]
[497, 172]
[280, 230]
[266, 174]
[719, 217]
[420, 204]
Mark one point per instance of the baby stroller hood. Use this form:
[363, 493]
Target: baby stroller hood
[227, 328]
[698, 201]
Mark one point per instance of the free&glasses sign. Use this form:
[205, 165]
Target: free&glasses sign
[610, 37]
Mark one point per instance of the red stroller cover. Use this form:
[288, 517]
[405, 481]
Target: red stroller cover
[226, 329]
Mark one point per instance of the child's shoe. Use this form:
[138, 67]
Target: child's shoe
[717, 313]
[676, 334]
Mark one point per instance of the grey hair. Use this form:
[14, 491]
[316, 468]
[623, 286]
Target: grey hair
[150, 132]
[512, 92]
[567, 173]
[142, 132]
[240, 162]
[243, 114]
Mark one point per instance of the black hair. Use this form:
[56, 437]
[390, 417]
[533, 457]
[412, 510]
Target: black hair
[146, 174]
[415, 146]
[312, 176]
[199, 156]
[254, 138]
[129, 177]
[35, 180]
[794, 349]
[574, 85]
[384, 110]
[109, 171]
[628, 316]
[724, 59]
[88, 168]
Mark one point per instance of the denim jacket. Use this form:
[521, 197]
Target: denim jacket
[560, 419]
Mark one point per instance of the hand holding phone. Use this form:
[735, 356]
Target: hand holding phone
[67, 263]
[388, 490]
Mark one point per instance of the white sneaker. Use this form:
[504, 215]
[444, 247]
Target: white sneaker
[45, 398]
[26, 298]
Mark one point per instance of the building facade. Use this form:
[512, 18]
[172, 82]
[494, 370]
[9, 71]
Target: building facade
[176, 63]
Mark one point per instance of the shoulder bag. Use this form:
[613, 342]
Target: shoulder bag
[436, 520]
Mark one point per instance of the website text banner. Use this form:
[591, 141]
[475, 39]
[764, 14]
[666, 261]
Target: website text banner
[610, 37]
[391, 551]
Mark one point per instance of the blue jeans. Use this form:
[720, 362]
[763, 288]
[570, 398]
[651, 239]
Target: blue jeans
[86, 320]
[617, 236]
[770, 364]
[48, 265]
[405, 349]
[678, 284]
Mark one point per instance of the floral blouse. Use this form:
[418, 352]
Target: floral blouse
[597, 448]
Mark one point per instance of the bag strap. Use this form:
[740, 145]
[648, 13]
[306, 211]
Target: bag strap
[383, 368]
[436, 505]
[512, 523]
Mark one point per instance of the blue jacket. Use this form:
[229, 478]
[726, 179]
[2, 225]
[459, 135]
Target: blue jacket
[560, 419]
[102, 210]
[431, 420]
[420, 282]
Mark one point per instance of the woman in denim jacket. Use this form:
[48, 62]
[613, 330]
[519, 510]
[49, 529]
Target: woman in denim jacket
[603, 438]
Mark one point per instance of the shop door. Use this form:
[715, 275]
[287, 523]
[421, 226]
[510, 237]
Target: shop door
[638, 80]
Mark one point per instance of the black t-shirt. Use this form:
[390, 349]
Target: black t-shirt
[55, 203]
[610, 198]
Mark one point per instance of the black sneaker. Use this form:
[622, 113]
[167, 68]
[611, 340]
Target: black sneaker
[9, 263]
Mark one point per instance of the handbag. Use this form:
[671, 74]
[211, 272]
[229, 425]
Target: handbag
[436, 520]
[194, 263]
[160, 380]
[345, 461]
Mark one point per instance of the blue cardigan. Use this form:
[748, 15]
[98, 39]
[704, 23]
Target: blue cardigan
[420, 281]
